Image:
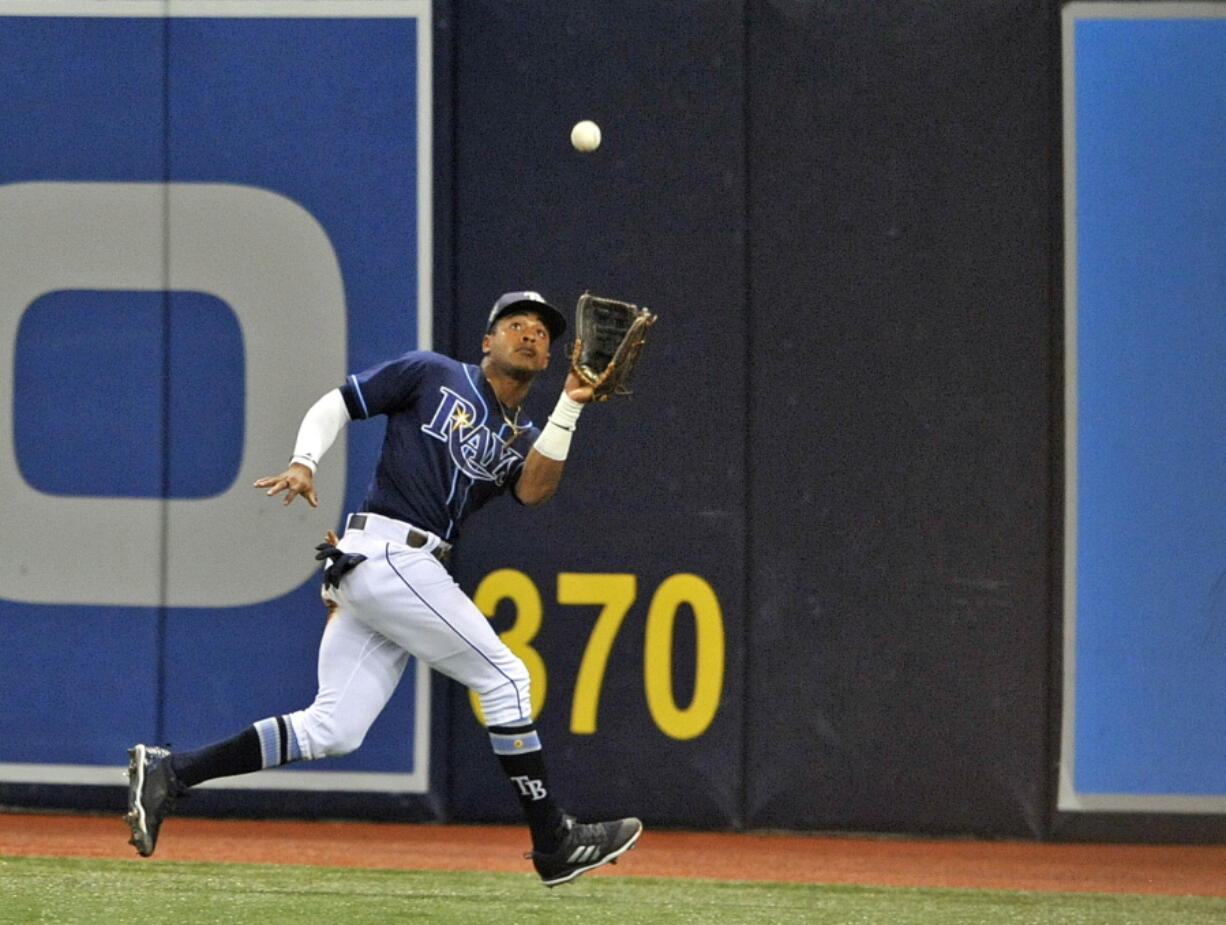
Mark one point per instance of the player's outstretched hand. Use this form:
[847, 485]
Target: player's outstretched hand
[294, 481]
[577, 390]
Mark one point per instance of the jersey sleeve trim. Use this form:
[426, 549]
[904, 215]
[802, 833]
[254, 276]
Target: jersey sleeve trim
[355, 402]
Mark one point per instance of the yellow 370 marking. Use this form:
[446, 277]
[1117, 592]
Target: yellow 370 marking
[692, 721]
[615, 594]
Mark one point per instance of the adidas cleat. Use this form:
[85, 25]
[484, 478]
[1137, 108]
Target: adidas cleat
[584, 846]
[152, 791]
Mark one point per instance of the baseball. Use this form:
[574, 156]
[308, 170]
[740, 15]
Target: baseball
[585, 136]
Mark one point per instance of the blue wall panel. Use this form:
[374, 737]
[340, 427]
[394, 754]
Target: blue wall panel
[82, 101]
[138, 394]
[323, 112]
[1144, 700]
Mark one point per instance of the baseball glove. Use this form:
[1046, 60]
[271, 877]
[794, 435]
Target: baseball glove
[608, 338]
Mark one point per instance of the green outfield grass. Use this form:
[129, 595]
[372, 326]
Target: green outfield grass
[102, 891]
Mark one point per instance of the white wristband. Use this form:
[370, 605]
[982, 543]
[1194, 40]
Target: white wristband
[554, 441]
[306, 461]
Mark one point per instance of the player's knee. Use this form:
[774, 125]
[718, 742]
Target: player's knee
[509, 702]
[329, 736]
[340, 738]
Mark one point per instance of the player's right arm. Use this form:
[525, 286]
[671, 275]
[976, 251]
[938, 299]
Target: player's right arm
[320, 427]
[542, 472]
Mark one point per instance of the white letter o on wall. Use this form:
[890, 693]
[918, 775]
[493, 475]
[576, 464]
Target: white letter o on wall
[272, 263]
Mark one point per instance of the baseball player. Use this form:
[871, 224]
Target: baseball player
[456, 437]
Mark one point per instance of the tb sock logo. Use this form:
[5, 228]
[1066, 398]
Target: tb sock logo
[530, 787]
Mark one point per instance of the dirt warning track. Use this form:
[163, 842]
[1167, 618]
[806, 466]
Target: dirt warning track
[1172, 869]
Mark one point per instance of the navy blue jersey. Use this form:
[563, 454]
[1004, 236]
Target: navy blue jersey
[448, 448]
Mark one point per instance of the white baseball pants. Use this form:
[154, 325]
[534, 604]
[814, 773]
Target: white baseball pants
[401, 601]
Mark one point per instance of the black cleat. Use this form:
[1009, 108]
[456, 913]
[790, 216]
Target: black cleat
[152, 791]
[584, 846]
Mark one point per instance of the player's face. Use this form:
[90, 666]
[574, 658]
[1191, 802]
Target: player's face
[519, 343]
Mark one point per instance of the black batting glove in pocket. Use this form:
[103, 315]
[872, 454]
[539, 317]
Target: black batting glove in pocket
[339, 563]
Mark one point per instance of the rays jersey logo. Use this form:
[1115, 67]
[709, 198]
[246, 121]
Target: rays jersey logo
[474, 448]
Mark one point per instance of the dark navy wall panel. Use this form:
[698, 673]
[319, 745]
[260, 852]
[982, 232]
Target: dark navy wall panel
[655, 484]
[900, 169]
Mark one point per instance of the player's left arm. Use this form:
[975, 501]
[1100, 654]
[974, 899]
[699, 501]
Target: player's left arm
[542, 472]
[320, 426]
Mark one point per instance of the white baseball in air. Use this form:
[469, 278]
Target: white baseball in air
[585, 136]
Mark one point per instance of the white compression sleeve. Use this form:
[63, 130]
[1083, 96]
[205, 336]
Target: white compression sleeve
[554, 441]
[320, 426]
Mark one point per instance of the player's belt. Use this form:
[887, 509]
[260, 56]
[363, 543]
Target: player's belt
[400, 532]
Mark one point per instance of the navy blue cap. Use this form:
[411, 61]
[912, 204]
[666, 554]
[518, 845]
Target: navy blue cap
[532, 302]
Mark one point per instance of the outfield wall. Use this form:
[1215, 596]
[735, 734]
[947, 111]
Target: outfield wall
[809, 577]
